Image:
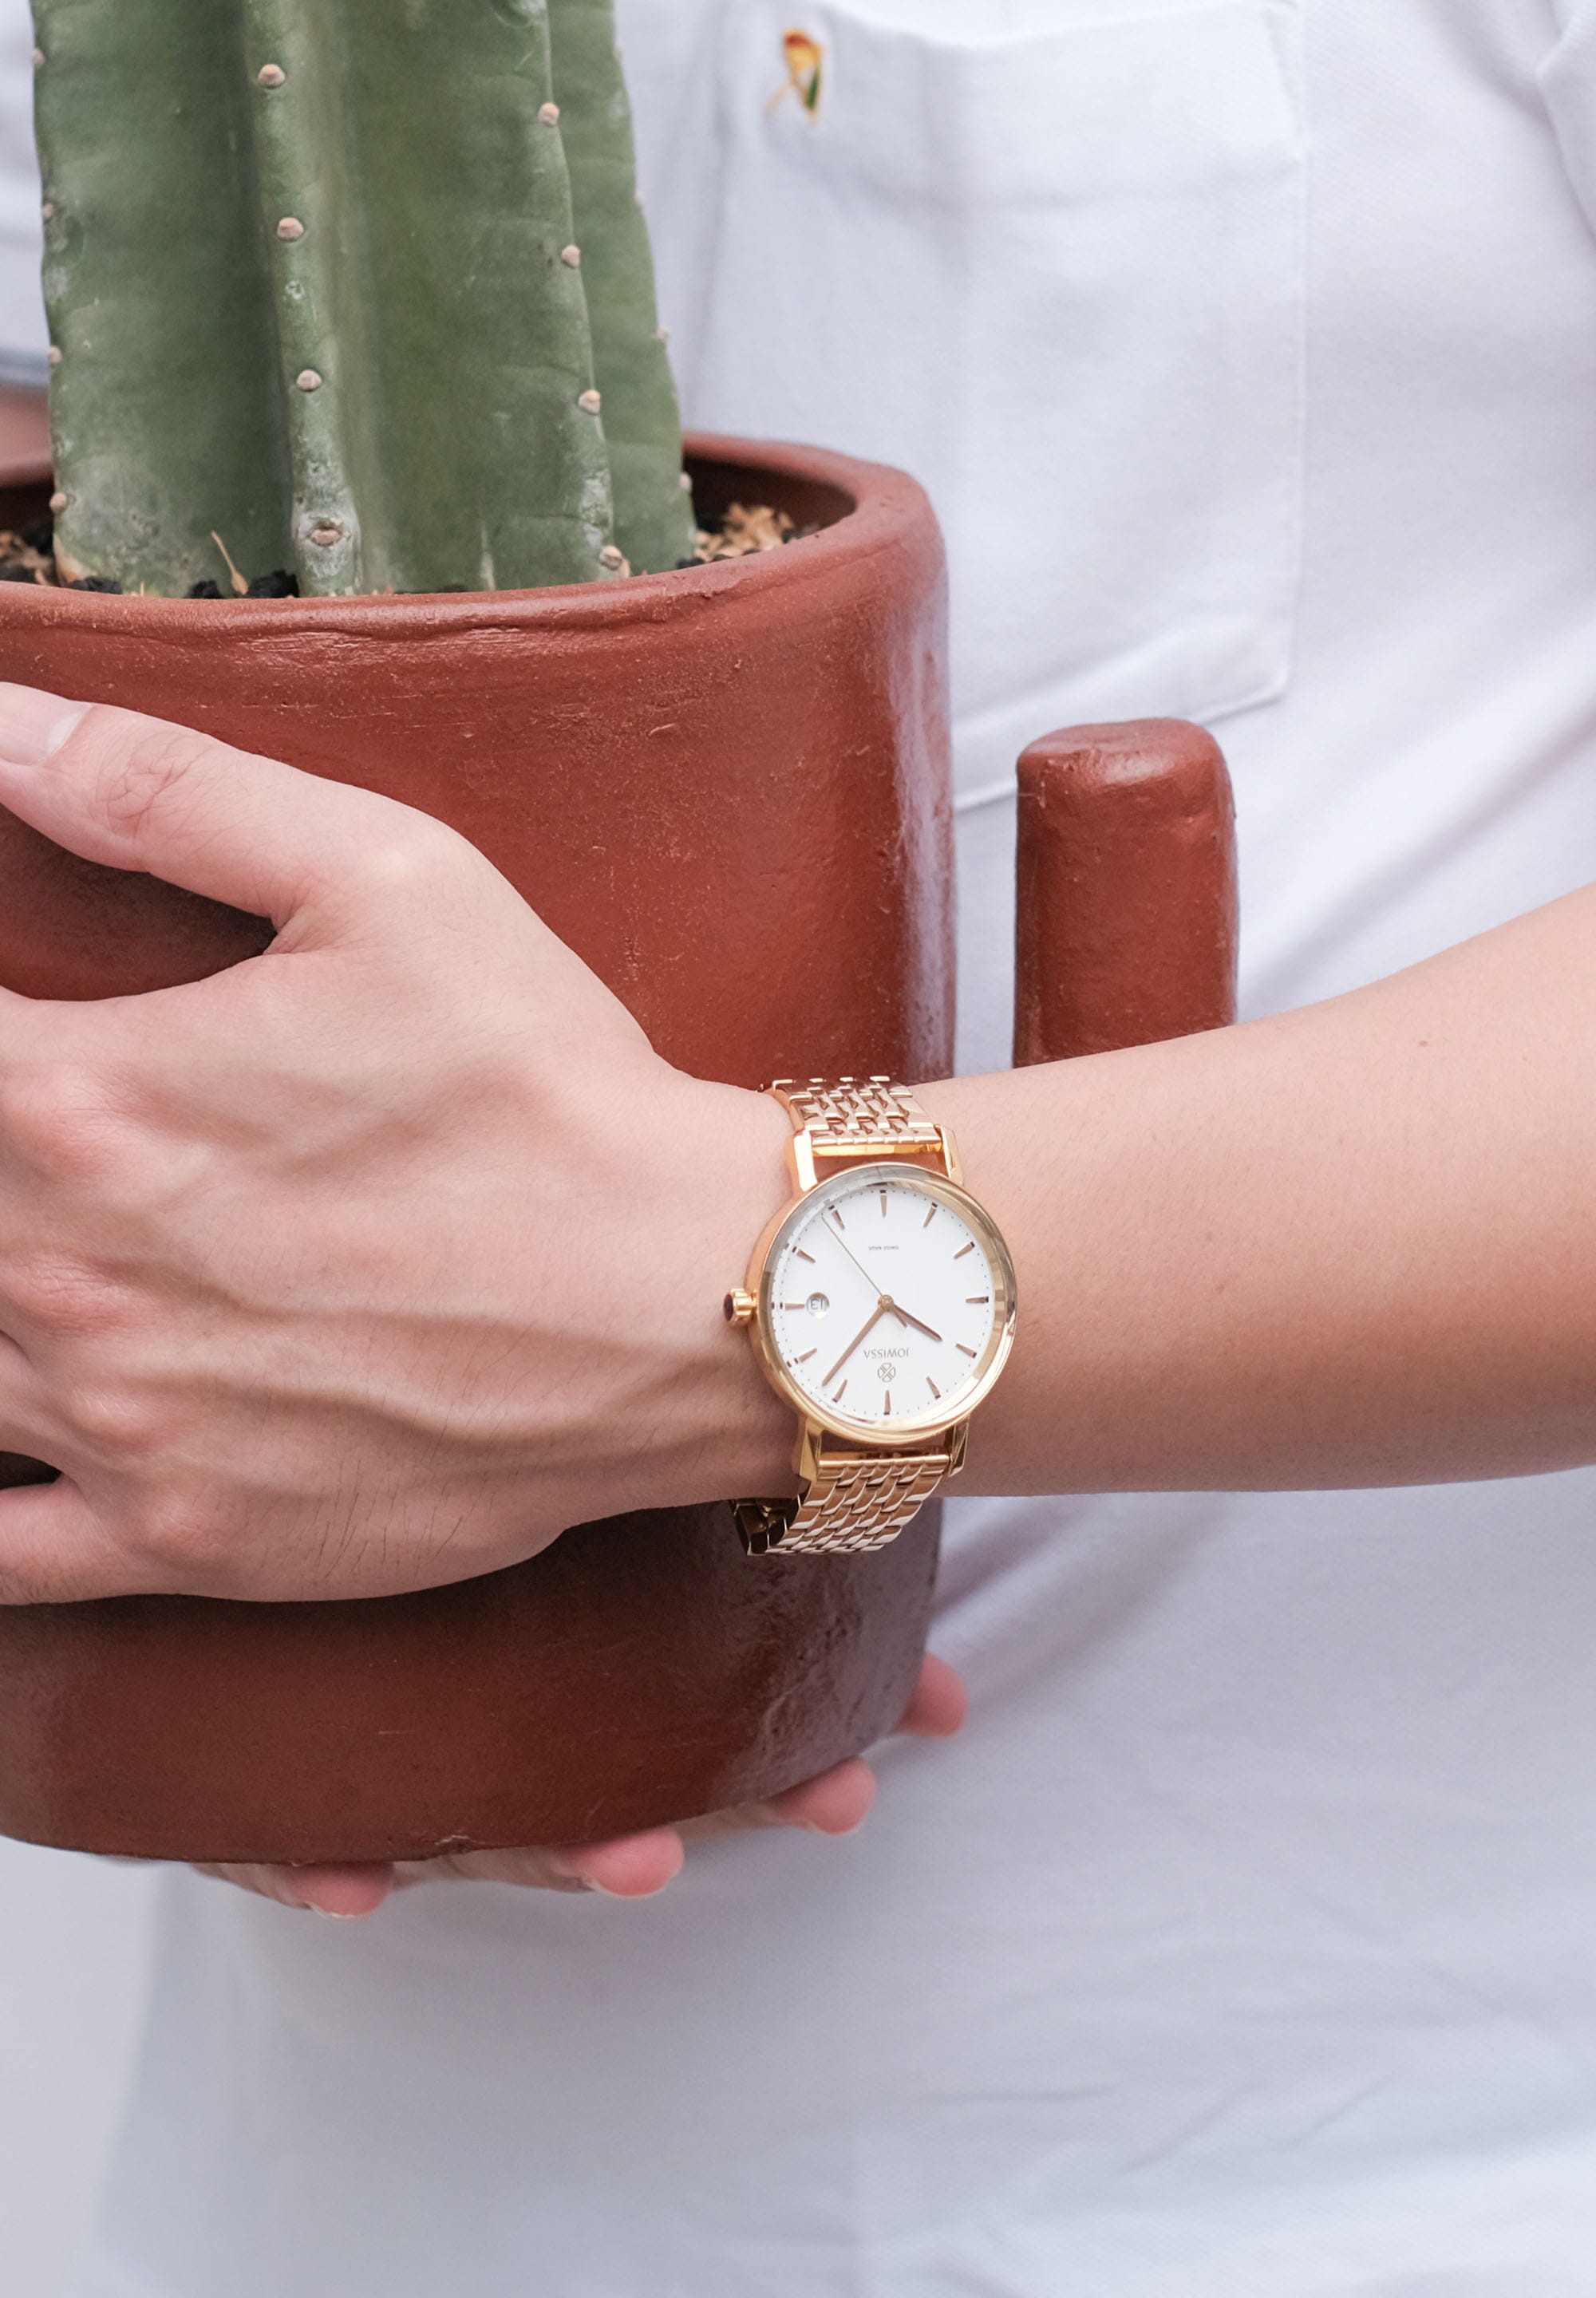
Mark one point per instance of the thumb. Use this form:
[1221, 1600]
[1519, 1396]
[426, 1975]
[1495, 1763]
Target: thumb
[143, 794]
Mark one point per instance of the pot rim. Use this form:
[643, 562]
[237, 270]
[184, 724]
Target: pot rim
[884, 502]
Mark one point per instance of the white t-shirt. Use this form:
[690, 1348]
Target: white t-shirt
[23, 338]
[1246, 1944]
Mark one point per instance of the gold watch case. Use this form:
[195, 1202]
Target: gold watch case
[752, 1307]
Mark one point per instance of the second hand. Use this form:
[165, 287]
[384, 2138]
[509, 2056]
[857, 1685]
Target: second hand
[886, 1300]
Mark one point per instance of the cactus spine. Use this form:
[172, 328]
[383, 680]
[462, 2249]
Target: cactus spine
[322, 302]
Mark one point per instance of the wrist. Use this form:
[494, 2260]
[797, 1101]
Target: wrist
[735, 1435]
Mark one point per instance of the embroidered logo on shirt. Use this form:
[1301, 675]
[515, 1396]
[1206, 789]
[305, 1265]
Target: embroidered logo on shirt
[805, 58]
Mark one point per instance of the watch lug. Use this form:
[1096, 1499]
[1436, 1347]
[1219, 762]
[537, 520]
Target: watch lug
[800, 1153]
[958, 1439]
[950, 1157]
[806, 1459]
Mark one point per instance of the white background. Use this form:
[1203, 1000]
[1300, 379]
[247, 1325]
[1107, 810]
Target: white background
[74, 1944]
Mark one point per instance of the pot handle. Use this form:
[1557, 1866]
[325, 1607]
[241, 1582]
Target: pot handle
[1127, 902]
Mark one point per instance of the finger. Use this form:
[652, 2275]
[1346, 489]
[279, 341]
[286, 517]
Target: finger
[139, 793]
[56, 1549]
[29, 1427]
[941, 1704]
[835, 1804]
[528, 1871]
[625, 1867]
[348, 1894]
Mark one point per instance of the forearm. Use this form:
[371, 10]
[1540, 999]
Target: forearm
[1352, 1245]
[330, 1276]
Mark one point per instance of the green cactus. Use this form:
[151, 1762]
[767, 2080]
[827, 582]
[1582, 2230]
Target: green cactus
[319, 301]
[654, 524]
[163, 399]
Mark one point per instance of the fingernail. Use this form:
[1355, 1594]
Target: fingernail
[584, 1882]
[34, 724]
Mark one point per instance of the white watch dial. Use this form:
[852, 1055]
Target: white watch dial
[885, 1304]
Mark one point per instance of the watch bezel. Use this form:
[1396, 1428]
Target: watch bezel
[911, 1431]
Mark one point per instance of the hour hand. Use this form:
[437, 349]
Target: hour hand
[863, 1332]
[898, 1311]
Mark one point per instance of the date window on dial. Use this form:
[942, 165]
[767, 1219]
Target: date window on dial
[817, 1304]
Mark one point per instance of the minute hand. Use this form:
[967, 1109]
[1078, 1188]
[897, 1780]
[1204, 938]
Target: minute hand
[837, 1238]
[876, 1314]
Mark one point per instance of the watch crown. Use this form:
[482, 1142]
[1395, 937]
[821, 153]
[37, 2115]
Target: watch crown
[741, 1307]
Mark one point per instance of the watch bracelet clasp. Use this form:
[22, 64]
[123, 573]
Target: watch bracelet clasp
[762, 1525]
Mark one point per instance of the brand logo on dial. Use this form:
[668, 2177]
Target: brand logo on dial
[886, 1353]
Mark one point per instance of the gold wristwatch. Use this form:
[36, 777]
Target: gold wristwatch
[881, 1305]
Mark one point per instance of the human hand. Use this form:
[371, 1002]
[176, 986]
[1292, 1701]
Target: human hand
[373, 1261]
[630, 1866]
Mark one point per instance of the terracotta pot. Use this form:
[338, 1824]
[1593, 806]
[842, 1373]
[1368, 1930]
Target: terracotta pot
[727, 789]
[1126, 889]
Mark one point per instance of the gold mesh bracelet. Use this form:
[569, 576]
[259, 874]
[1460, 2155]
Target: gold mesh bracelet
[865, 1114]
[858, 1500]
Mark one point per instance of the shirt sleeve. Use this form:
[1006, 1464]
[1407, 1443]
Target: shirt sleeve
[23, 338]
